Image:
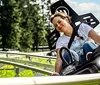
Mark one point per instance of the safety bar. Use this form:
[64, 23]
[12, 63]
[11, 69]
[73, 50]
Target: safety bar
[86, 79]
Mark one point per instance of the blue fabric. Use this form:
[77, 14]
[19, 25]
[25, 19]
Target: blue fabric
[67, 57]
[87, 47]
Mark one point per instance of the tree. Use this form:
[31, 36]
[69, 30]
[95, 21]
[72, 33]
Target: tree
[6, 12]
[15, 34]
[10, 28]
[33, 27]
[22, 26]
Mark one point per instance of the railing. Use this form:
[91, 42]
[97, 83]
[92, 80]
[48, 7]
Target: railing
[26, 54]
[26, 67]
[89, 79]
[27, 62]
[11, 58]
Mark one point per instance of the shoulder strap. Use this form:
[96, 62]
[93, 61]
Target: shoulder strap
[75, 30]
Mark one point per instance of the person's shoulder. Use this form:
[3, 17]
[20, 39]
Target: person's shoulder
[85, 28]
[62, 37]
[83, 24]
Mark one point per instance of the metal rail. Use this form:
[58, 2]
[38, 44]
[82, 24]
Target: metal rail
[29, 62]
[89, 79]
[26, 67]
[26, 54]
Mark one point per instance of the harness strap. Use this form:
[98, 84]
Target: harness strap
[75, 33]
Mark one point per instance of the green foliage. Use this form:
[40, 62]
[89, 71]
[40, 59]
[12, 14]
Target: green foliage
[10, 28]
[7, 66]
[0, 40]
[44, 61]
[26, 73]
[22, 26]
[34, 29]
[7, 73]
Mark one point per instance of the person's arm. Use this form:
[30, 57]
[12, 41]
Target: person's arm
[58, 65]
[93, 35]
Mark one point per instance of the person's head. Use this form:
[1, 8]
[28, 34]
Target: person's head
[60, 20]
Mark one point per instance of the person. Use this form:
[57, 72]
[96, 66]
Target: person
[62, 23]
